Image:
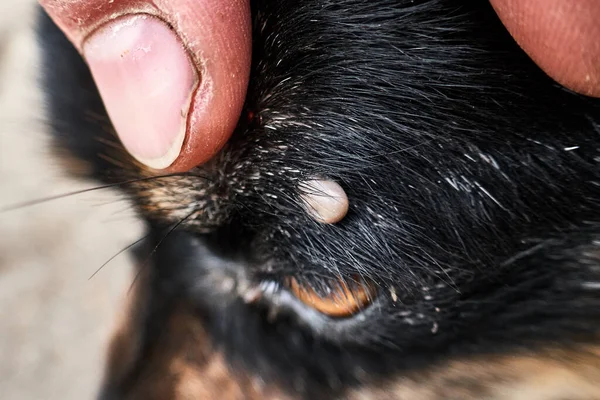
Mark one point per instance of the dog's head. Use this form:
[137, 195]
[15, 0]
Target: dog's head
[473, 185]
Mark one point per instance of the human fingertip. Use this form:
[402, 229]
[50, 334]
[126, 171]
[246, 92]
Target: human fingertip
[146, 80]
[561, 37]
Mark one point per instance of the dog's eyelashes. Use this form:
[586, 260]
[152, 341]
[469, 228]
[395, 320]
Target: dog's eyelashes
[31, 203]
[124, 249]
[170, 230]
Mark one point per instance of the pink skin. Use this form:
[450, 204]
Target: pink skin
[137, 92]
[174, 96]
[561, 36]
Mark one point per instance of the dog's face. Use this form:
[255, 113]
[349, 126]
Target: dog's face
[466, 267]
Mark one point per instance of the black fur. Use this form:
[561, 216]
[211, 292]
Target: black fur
[472, 177]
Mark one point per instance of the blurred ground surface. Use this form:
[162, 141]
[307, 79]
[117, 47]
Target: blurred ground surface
[54, 323]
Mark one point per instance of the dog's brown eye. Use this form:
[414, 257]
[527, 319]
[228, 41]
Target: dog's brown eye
[343, 300]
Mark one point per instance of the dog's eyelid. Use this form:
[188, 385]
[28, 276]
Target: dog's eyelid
[342, 300]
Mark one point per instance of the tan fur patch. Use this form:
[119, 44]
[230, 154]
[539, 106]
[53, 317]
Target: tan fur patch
[559, 375]
[184, 364]
[75, 166]
[125, 345]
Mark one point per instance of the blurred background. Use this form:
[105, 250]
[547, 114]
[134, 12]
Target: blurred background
[55, 322]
